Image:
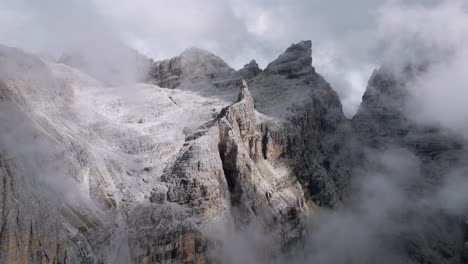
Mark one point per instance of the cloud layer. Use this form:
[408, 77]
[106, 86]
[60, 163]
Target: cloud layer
[342, 32]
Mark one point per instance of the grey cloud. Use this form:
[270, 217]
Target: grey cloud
[386, 211]
[238, 31]
[436, 38]
[345, 51]
[343, 33]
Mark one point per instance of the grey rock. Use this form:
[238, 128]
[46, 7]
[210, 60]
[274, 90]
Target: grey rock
[279, 149]
[250, 70]
[382, 123]
[295, 61]
[192, 63]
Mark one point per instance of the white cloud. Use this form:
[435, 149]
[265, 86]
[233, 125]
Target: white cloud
[236, 30]
[437, 36]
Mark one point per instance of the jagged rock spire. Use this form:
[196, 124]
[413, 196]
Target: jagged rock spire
[244, 93]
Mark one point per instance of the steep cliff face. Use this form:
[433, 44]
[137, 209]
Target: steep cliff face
[312, 130]
[260, 189]
[218, 178]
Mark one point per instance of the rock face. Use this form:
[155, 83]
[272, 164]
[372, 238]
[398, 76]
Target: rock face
[167, 73]
[218, 177]
[252, 179]
[295, 61]
[312, 131]
[304, 123]
[90, 174]
[153, 174]
[381, 123]
[250, 70]
[192, 64]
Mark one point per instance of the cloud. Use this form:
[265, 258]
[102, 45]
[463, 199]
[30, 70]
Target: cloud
[238, 31]
[36, 155]
[388, 218]
[345, 51]
[435, 37]
[53, 26]
[388, 209]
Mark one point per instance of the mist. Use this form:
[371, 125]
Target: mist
[435, 38]
[393, 202]
[26, 145]
[345, 50]
[393, 206]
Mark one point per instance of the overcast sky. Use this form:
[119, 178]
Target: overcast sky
[344, 33]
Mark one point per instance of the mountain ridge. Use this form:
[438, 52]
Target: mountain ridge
[156, 166]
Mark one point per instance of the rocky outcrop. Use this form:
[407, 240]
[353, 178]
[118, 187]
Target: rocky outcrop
[219, 177]
[312, 132]
[250, 175]
[242, 116]
[303, 123]
[250, 70]
[164, 234]
[196, 179]
[167, 73]
[296, 61]
[257, 190]
[191, 66]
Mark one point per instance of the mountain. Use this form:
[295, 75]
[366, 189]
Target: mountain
[182, 167]
[382, 124]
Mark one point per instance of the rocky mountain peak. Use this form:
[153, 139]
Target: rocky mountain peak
[198, 61]
[386, 96]
[295, 61]
[250, 70]
[193, 62]
[252, 63]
